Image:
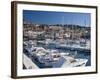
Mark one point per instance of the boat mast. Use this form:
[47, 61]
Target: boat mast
[85, 26]
[62, 20]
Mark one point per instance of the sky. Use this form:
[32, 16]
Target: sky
[50, 17]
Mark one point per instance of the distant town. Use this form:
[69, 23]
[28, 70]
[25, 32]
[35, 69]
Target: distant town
[57, 31]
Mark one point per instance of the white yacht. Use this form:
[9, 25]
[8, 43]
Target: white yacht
[72, 62]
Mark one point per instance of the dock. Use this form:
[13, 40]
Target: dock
[28, 63]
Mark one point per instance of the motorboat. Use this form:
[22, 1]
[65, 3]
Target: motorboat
[72, 62]
[47, 55]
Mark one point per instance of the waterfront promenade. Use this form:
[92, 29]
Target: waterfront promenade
[28, 63]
